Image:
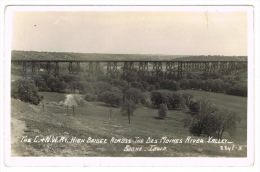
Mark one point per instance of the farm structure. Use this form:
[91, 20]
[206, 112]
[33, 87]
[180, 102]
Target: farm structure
[144, 69]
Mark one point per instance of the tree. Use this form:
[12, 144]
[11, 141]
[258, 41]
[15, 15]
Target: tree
[239, 89]
[138, 85]
[162, 111]
[133, 94]
[128, 108]
[41, 85]
[170, 85]
[101, 87]
[84, 87]
[176, 101]
[228, 122]
[194, 106]
[158, 98]
[201, 123]
[26, 91]
[68, 78]
[211, 120]
[111, 98]
[188, 98]
[55, 84]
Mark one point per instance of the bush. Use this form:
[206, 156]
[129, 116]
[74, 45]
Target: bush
[55, 84]
[42, 86]
[111, 98]
[158, 98]
[162, 111]
[194, 107]
[84, 87]
[138, 85]
[188, 98]
[193, 75]
[170, 85]
[90, 97]
[212, 121]
[101, 87]
[176, 101]
[25, 91]
[133, 94]
[150, 88]
[238, 90]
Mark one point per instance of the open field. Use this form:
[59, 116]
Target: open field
[96, 120]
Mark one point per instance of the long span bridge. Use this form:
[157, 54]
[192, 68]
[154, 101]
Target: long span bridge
[167, 69]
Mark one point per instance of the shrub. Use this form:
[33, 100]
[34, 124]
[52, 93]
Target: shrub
[238, 90]
[25, 91]
[188, 98]
[193, 75]
[170, 85]
[42, 86]
[111, 98]
[158, 98]
[101, 87]
[213, 122]
[138, 85]
[84, 87]
[176, 101]
[202, 122]
[194, 106]
[133, 94]
[55, 84]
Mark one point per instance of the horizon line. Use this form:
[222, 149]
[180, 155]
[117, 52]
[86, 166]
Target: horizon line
[132, 53]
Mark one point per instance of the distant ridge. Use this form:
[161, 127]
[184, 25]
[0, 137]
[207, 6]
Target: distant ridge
[35, 55]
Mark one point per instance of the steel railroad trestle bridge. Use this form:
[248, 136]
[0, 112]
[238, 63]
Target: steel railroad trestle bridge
[164, 68]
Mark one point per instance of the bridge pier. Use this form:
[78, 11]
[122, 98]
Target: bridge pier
[74, 68]
[112, 69]
[157, 70]
[53, 68]
[143, 70]
[170, 70]
[223, 67]
[180, 70]
[24, 69]
[128, 70]
[93, 68]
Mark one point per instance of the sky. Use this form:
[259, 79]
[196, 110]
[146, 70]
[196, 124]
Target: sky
[132, 32]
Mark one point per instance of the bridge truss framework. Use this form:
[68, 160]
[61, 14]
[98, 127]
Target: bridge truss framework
[144, 69]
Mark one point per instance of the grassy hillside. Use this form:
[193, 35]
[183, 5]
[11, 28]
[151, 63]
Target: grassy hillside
[96, 120]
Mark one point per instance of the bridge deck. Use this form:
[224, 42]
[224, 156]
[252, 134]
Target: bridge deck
[24, 60]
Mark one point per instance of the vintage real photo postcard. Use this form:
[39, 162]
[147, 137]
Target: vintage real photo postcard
[103, 83]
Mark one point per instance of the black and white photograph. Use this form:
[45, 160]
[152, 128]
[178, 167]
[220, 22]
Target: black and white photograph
[118, 81]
